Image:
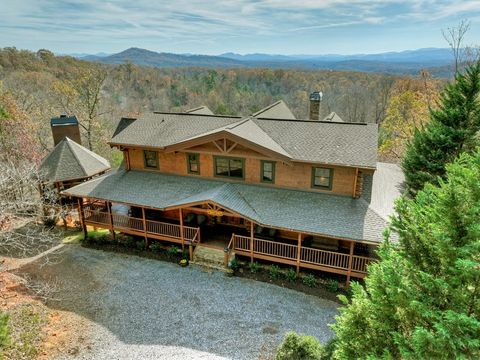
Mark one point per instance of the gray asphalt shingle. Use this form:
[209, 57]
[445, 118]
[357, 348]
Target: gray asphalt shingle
[69, 160]
[324, 142]
[317, 213]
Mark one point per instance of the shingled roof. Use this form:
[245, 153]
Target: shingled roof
[69, 160]
[277, 110]
[201, 110]
[324, 142]
[314, 213]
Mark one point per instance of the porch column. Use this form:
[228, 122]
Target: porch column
[110, 217]
[180, 213]
[299, 251]
[82, 217]
[144, 227]
[251, 241]
[350, 260]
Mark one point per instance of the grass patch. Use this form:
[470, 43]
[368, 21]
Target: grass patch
[76, 237]
[25, 332]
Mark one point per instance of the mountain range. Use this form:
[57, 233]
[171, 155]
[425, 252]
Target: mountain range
[437, 60]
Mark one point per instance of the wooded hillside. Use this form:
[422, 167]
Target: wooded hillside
[41, 85]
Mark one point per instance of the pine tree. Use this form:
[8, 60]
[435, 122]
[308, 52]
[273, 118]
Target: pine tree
[422, 299]
[452, 130]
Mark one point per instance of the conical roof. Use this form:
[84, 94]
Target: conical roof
[69, 160]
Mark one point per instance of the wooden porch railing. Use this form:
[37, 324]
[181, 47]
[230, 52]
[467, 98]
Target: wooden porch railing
[309, 257]
[124, 222]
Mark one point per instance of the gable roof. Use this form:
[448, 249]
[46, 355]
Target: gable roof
[333, 117]
[201, 110]
[122, 125]
[277, 110]
[69, 160]
[246, 130]
[325, 142]
[309, 212]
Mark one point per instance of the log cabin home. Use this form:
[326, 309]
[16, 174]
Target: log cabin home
[269, 187]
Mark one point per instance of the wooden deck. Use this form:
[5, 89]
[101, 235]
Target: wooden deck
[147, 228]
[311, 258]
[298, 256]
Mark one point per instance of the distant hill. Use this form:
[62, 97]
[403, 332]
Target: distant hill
[151, 58]
[403, 63]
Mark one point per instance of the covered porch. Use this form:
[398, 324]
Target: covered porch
[207, 224]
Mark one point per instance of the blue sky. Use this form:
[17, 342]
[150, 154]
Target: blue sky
[244, 26]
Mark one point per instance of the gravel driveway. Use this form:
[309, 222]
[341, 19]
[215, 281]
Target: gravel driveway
[146, 309]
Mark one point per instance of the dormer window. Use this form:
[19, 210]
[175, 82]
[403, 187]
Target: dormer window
[150, 159]
[322, 178]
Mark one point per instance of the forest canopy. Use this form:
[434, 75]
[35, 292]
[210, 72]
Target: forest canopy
[43, 85]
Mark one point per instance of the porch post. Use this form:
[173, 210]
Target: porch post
[180, 213]
[82, 217]
[251, 241]
[299, 251]
[350, 260]
[110, 217]
[144, 227]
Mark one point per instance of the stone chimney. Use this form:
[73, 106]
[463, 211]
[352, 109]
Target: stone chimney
[315, 99]
[65, 126]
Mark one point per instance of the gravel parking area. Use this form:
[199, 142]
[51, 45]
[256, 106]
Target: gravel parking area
[146, 309]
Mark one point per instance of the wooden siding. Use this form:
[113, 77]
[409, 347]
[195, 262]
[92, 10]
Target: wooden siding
[295, 175]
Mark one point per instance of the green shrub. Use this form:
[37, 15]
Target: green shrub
[234, 264]
[102, 239]
[299, 347]
[127, 241]
[274, 272]
[4, 331]
[172, 251]
[185, 254]
[156, 247]
[291, 275]
[254, 267]
[310, 280]
[140, 245]
[332, 285]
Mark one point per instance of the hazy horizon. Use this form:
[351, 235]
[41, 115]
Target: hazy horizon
[306, 27]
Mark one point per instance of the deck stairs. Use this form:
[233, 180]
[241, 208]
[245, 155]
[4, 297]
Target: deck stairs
[209, 257]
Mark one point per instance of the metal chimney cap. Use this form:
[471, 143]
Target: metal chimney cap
[316, 96]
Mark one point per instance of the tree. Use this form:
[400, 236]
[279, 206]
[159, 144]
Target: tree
[454, 37]
[81, 96]
[406, 113]
[422, 299]
[452, 129]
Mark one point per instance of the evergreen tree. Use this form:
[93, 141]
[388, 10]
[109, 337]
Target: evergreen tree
[452, 130]
[422, 299]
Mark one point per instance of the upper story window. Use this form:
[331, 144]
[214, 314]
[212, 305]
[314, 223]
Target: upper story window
[150, 159]
[322, 178]
[267, 171]
[229, 167]
[193, 163]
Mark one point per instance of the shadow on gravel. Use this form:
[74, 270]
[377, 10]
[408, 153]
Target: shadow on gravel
[137, 301]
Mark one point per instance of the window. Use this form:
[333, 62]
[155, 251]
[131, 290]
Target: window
[322, 178]
[150, 159]
[267, 171]
[229, 167]
[193, 163]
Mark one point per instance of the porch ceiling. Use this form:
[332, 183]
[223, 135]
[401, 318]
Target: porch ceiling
[316, 213]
